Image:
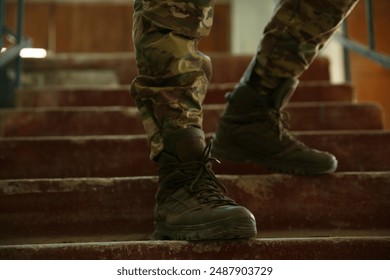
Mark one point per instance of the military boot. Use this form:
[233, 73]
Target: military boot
[191, 203]
[253, 129]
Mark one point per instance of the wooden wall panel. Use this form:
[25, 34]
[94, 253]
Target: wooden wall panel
[372, 81]
[93, 28]
[37, 21]
[99, 27]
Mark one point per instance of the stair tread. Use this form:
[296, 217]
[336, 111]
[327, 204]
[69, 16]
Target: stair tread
[120, 95]
[123, 66]
[84, 206]
[148, 236]
[110, 156]
[370, 247]
[99, 120]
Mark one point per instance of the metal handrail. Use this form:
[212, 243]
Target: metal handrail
[368, 50]
[12, 53]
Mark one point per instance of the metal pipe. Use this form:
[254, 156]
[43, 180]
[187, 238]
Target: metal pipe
[370, 24]
[13, 52]
[346, 56]
[379, 58]
[19, 36]
[2, 22]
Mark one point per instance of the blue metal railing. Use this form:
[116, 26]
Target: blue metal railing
[368, 50]
[11, 57]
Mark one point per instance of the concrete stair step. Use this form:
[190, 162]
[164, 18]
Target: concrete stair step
[79, 121]
[260, 248]
[118, 95]
[148, 236]
[72, 197]
[120, 68]
[284, 205]
[110, 156]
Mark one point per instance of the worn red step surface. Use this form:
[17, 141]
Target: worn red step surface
[226, 67]
[110, 156]
[122, 121]
[326, 205]
[266, 248]
[53, 96]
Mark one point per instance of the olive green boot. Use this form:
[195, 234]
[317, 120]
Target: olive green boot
[252, 129]
[191, 203]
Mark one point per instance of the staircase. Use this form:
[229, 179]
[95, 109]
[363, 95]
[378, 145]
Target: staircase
[76, 181]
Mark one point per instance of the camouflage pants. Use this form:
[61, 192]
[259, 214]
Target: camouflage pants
[173, 74]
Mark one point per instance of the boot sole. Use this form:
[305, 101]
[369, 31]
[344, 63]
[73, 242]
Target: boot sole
[239, 227]
[236, 154]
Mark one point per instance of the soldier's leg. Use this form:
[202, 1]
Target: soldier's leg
[293, 38]
[173, 77]
[252, 126]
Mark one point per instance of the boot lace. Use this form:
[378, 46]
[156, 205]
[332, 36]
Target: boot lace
[282, 123]
[280, 120]
[200, 179]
